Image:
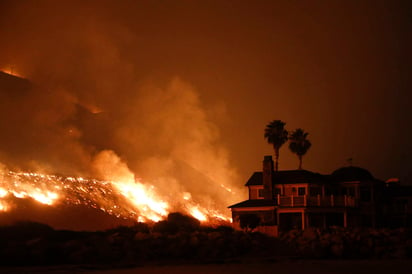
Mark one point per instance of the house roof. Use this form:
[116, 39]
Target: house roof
[344, 174]
[289, 177]
[298, 176]
[255, 180]
[253, 203]
[352, 173]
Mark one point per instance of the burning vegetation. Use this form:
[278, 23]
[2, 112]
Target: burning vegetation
[163, 134]
[123, 199]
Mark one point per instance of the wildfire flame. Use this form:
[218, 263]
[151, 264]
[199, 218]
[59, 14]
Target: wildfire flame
[11, 70]
[129, 199]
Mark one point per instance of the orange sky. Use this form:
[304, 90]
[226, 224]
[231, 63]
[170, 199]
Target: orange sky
[338, 69]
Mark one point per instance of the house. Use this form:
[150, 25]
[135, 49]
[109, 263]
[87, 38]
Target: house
[397, 210]
[296, 199]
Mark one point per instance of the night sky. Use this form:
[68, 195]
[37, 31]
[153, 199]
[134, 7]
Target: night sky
[181, 88]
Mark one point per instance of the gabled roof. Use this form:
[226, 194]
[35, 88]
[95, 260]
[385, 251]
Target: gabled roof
[255, 180]
[298, 176]
[289, 177]
[254, 203]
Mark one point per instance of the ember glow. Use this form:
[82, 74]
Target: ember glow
[127, 199]
[11, 70]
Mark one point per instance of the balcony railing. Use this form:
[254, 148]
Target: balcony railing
[313, 201]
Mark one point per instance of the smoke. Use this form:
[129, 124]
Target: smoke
[110, 167]
[91, 111]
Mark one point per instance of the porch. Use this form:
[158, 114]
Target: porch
[315, 201]
[301, 219]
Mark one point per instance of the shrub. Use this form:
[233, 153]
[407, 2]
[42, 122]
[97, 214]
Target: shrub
[248, 222]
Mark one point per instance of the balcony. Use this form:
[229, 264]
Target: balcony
[316, 201]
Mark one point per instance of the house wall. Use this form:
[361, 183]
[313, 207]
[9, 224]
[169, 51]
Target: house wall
[256, 192]
[292, 189]
[267, 215]
[272, 230]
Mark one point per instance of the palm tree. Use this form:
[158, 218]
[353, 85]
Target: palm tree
[277, 135]
[298, 144]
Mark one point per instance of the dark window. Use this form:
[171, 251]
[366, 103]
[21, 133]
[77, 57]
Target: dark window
[366, 220]
[277, 191]
[365, 194]
[301, 191]
[315, 191]
[350, 191]
[261, 193]
[331, 191]
[400, 206]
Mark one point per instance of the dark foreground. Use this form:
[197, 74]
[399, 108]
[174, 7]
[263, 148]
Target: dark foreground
[182, 245]
[285, 267]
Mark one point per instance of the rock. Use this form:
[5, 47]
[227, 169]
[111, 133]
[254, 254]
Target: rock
[139, 236]
[310, 233]
[194, 241]
[213, 235]
[337, 250]
[337, 239]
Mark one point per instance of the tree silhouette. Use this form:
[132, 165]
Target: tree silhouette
[277, 135]
[298, 144]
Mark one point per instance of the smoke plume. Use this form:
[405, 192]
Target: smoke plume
[90, 111]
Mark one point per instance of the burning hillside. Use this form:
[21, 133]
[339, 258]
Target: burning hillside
[131, 200]
[163, 135]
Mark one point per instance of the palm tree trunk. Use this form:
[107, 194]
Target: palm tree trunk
[300, 161]
[276, 158]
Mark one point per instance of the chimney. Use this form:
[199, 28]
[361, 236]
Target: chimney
[267, 177]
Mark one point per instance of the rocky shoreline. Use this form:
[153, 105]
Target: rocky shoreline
[187, 242]
[347, 243]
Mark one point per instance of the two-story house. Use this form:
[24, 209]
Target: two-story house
[289, 199]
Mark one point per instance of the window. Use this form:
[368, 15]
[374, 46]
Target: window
[350, 191]
[365, 194]
[315, 191]
[331, 191]
[301, 191]
[277, 191]
[261, 193]
[400, 206]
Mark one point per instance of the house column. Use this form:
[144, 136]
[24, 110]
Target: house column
[277, 218]
[345, 218]
[303, 219]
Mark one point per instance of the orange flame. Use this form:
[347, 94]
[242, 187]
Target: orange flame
[11, 70]
[129, 198]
